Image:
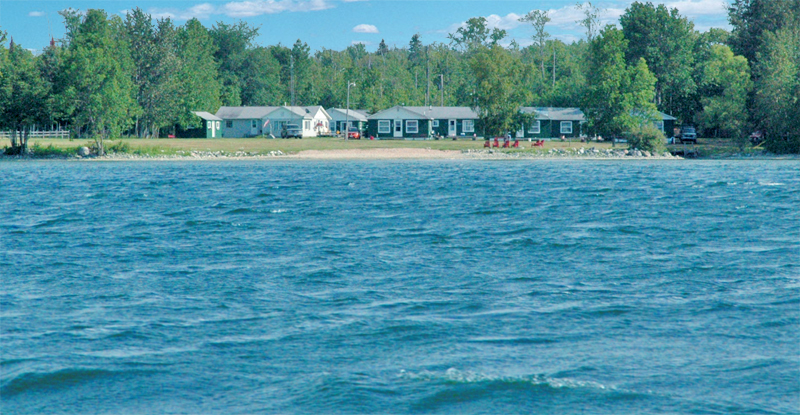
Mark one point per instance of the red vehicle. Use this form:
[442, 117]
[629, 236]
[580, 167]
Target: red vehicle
[353, 133]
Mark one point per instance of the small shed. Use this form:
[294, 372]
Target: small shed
[552, 122]
[665, 123]
[211, 127]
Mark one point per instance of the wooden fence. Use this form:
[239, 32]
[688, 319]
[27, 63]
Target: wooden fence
[37, 134]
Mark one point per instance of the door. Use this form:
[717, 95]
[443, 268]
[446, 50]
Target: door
[253, 127]
[398, 128]
[521, 131]
[451, 128]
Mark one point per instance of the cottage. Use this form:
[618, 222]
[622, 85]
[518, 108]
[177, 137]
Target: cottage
[243, 121]
[552, 122]
[313, 121]
[256, 121]
[355, 118]
[401, 122]
[665, 123]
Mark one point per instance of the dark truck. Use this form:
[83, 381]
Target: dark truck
[687, 134]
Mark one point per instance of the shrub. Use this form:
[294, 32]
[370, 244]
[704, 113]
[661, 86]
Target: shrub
[39, 150]
[647, 137]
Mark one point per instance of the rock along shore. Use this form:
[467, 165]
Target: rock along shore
[580, 153]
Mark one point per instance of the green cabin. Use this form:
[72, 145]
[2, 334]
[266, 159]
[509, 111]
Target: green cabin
[422, 123]
[552, 123]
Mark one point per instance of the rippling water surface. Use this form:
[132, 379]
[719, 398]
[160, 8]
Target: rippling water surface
[446, 287]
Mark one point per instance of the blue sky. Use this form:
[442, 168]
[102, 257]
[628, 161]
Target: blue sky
[336, 24]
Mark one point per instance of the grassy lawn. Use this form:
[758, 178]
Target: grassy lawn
[263, 145]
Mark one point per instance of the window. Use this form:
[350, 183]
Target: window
[566, 127]
[384, 127]
[468, 126]
[435, 123]
[660, 125]
[253, 124]
[228, 124]
[412, 126]
[535, 127]
[306, 125]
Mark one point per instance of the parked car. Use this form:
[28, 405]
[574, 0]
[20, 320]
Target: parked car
[687, 134]
[757, 137]
[291, 131]
[353, 133]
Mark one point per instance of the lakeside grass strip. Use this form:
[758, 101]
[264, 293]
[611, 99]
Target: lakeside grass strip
[263, 146]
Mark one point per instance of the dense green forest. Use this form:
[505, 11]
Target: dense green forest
[136, 76]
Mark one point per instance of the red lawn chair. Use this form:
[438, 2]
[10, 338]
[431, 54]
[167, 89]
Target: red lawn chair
[538, 143]
[487, 143]
[516, 144]
[506, 144]
[496, 142]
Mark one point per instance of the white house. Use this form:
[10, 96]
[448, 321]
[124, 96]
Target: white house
[313, 121]
[255, 121]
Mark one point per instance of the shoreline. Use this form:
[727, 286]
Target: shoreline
[581, 153]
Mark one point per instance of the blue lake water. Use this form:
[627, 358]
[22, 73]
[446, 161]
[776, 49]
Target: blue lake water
[400, 287]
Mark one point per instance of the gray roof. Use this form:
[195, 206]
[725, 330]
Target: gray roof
[445, 112]
[666, 117]
[433, 113]
[555, 113]
[244, 113]
[206, 116]
[305, 111]
[357, 115]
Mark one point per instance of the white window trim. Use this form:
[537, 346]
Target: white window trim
[566, 127]
[412, 126]
[535, 127]
[468, 126]
[384, 127]
[435, 124]
[660, 125]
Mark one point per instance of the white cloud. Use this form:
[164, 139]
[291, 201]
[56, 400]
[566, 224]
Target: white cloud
[249, 8]
[507, 22]
[567, 17]
[259, 7]
[365, 28]
[691, 8]
[36, 14]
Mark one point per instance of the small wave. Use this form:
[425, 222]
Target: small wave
[513, 340]
[770, 184]
[278, 211]
[65, 378]
[239, 211]
[456, 376]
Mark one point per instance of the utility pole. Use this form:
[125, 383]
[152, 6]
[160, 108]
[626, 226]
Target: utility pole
[427, 78]
[442, 76]
[554, 66]
[291, 82]
[347, 113]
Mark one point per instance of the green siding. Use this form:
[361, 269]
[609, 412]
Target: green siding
[552, 129]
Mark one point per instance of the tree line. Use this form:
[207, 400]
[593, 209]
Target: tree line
[140, 77]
